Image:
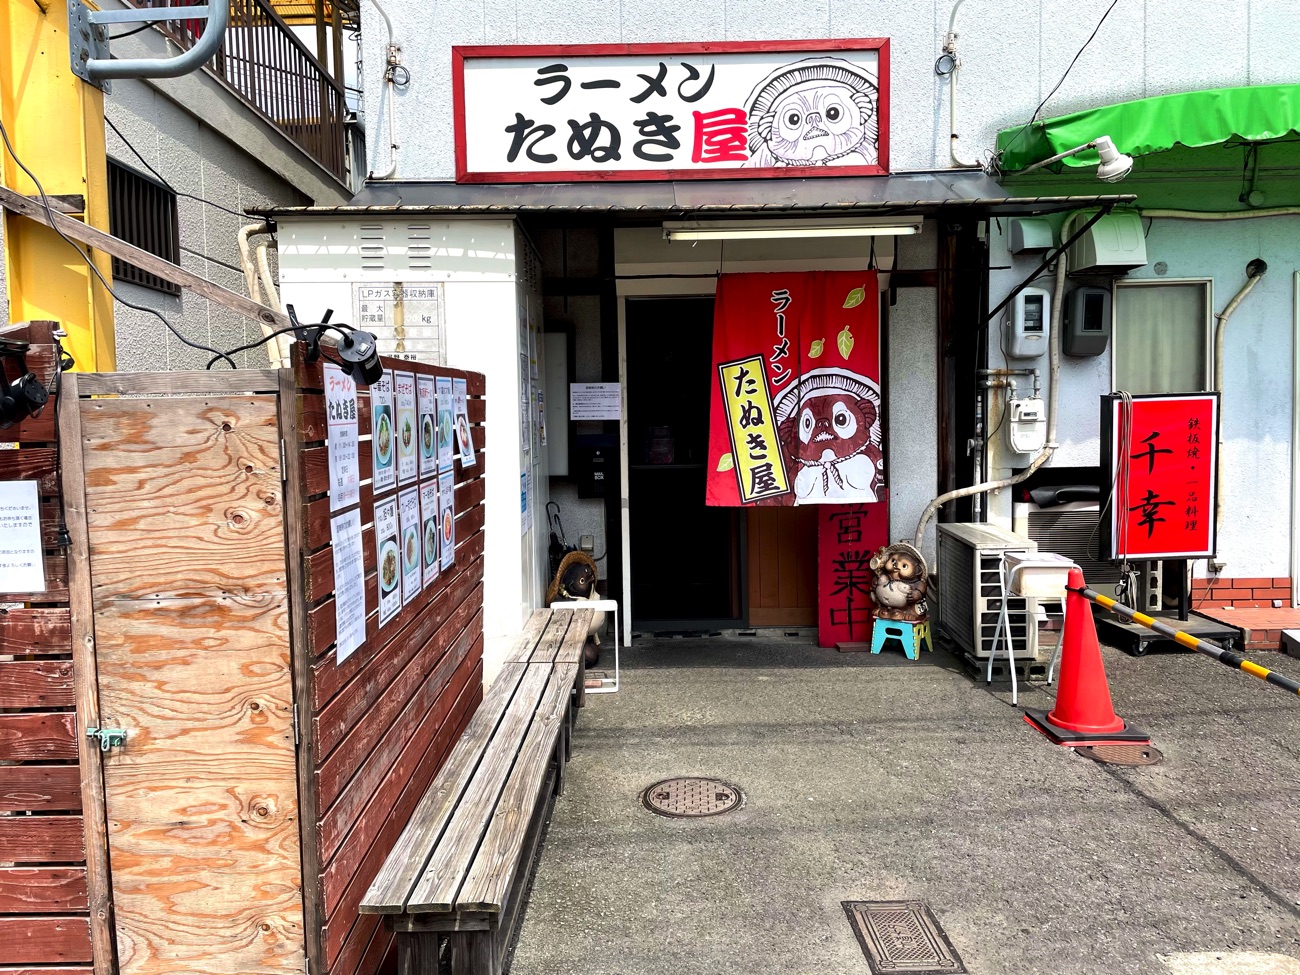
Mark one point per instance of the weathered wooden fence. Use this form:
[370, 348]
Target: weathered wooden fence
[262, 782]
[44, 910]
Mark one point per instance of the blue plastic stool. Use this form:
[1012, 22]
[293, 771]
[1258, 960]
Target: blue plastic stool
[912, 635]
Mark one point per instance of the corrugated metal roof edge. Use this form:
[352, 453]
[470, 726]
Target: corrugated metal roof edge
[1004, 204]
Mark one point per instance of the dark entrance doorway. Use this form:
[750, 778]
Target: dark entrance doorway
[686, 557]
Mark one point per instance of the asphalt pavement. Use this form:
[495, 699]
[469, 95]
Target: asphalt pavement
[876, 778]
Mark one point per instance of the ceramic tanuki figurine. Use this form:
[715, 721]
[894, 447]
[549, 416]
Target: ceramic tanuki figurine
[901, 583]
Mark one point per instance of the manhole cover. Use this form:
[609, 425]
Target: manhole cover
[902, 936]
[1122, 754]
[691, 797]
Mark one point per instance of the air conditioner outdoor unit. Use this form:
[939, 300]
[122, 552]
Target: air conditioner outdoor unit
[970, 593]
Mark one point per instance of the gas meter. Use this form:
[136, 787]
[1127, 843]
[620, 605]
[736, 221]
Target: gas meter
[1027, 425]
[1028, 325]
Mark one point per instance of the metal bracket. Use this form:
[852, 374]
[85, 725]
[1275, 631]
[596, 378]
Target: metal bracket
[108, 737]
[89, 39]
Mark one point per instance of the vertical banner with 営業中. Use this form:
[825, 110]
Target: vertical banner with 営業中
[1160, 460]
[847, 536]
[381, 432]
[795, 398]
[408, 465]
[427, 408]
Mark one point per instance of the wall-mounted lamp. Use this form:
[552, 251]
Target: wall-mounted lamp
[1115, 165]
[766, 229]
[21, 397]
[358, 351]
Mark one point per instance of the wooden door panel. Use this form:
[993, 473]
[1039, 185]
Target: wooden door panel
[187, 567]
[782, 566]
[183, 497]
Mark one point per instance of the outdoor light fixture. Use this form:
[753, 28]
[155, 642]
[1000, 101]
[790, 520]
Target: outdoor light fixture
[1114, 166]
[358, 351]
[24, 396]
[766, 229]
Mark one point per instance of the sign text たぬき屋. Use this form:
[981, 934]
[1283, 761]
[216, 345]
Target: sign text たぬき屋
[641, 111]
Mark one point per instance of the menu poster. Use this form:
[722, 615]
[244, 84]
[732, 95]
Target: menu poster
[541, 417]
[381, 431]
[349, 584]
[525, 405]
[408, 503]
[428, 409]
[525, 522]
[463, 439]
[341, 430]
[446, 449]
[447, 514]
[407, 464]
[429, 519]
[388, 559]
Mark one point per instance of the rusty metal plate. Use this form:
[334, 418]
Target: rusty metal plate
[1122, 754]
[691, 796]
[902, 937]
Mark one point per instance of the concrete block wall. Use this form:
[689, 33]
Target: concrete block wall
[194, 158]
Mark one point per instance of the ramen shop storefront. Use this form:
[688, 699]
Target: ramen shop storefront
[745, 351]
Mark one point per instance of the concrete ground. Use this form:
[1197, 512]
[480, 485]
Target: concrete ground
[879, 779]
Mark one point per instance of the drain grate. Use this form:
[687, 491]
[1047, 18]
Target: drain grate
[1122, 754]
[691, 796]
[902, 937]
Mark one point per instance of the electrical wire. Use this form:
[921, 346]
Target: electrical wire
[1034, 118]
[128, 33]
[49, 210]
[159, 177]
[276, 334]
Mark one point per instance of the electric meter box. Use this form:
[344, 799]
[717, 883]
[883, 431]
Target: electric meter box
[1087, 322]
[1028, 324]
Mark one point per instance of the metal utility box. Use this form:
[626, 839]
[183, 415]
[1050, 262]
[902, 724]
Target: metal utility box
[970, 591]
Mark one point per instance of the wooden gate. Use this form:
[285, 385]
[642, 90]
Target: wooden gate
[186, 603]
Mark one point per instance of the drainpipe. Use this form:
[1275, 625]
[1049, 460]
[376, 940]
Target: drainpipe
[1053, 397]
[950, 51]
[1254, 271]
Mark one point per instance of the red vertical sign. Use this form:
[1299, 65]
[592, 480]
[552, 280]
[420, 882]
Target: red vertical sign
[1162, 462]
[847, 536]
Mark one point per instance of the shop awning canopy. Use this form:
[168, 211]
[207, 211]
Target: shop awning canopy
[1193, 119]
[912, 193]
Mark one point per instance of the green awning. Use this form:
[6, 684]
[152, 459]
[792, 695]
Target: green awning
[1147, 125]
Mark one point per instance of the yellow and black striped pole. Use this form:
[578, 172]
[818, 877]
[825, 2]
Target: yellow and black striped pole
[1223, 656]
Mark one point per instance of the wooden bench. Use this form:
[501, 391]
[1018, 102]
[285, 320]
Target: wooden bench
[462, 867]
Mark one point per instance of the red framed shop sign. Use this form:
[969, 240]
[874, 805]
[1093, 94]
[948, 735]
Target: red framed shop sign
[1160, 469]
[526, 114]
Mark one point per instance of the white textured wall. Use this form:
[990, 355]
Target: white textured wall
[1253, 537]
[1013, 52]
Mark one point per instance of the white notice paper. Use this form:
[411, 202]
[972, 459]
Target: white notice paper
[381, 431]
[408, 503]
[429, 516]
[464, 442]
[341, 414]
[407, 463]
[427, 405]
[595, 401]
[349, 584]
[22, 566]
[389, 558]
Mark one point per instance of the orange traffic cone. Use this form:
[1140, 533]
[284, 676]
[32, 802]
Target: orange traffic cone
[1083, 714]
